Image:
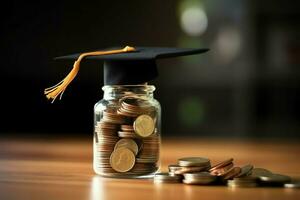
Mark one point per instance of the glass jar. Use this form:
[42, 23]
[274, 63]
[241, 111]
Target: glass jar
[127, 129]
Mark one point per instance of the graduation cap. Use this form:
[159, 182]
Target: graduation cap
[122, 66]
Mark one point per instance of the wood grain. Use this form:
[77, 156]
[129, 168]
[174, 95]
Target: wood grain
[62, 169]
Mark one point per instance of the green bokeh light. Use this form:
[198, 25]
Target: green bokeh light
[191, 111]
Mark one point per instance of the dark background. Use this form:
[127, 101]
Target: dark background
[246, 86]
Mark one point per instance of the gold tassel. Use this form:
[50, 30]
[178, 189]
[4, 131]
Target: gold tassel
[58, 89]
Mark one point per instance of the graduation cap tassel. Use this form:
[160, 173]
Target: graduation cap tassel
[58, 89]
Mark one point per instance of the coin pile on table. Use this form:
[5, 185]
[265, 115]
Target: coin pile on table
[198, 171]
[127, 140]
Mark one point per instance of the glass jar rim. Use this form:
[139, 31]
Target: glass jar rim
[145, 88]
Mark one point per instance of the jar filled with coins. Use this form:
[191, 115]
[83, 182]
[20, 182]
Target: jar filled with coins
[127, 132]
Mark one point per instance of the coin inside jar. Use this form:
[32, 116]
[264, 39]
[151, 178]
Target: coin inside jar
[144, 125]
[129, 143]
[122, 159]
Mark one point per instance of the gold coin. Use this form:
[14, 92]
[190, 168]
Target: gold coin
[144, 125]
[122, 159]
[129, 143]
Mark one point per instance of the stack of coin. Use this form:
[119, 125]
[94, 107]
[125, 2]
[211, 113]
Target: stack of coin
[246, 181]
[221, 168]
[127, 134]
[133, 107]
[197, 171]
[127, 139]
[251, 177]
[199, 178]
[127, 128]
[106, 139]
[144, 127]
[106, 134]
[194, 162]
[135, 167]
[244, 178]
[173, 169]
[191, 168]
[143, 168]
[176, 169]
[167, 178]
[232, 173]
[149, 150]
[149, 153]
[110, 115]
[189, 165]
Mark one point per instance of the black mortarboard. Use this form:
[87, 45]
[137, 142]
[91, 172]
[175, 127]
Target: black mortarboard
[123, 66]
[135, 67]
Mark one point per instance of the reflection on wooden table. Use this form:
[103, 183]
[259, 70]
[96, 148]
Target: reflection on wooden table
[62, 169]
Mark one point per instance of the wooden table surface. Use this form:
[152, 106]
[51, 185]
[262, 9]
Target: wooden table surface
[62, 169]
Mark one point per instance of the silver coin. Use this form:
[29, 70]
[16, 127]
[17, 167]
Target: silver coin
[201, 178]
[292, 185]
[246, 170]
[166, 178]
[232, 183]
[260, 172]
[275, 178]
[193, 161]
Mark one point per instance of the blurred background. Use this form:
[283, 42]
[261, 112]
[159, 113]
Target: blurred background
[246, 86]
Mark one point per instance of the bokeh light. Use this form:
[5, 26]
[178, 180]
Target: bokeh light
[192, 17]
[191, 111]
[227, 44]
[193, 21]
